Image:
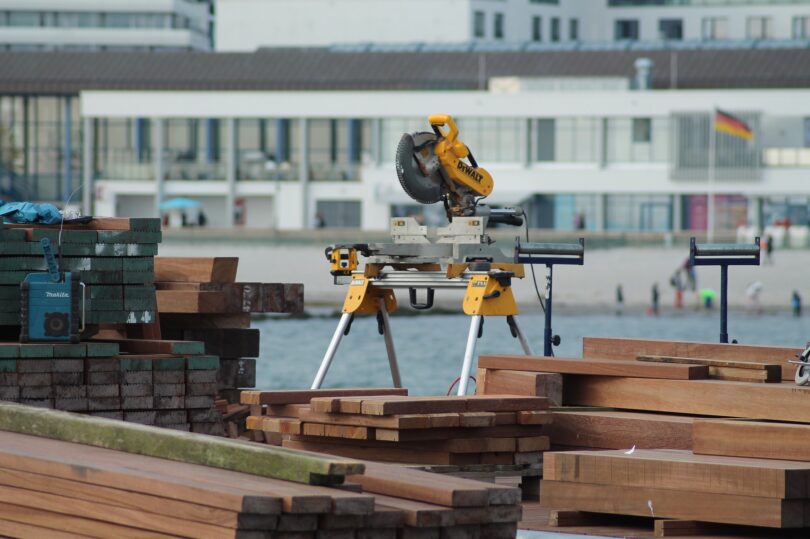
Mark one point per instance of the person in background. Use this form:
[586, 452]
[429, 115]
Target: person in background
[796, 303]
[691, 275]
[619, 300]
[769, 249]
[320, 222]
[753, 291]
[677, 283]
[655, 299]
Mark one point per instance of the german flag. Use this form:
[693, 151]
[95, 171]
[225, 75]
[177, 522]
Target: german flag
[731, 125]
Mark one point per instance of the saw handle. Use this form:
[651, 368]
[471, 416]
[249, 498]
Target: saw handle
[450, 135]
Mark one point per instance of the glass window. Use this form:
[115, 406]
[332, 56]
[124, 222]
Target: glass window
[545, 139]
[626, 30]
[77, 20]
[479, 24]
[498, 30]
[671, 29]
[537, 28]
[573, 29]
[642, 130]
[339, 213]
[555, 29]
[23, 18]
[801, 27]
[759, 27]
[715, 28]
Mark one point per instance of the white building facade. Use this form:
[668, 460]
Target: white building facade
[597, 160]
[113, 25]
[246, 25]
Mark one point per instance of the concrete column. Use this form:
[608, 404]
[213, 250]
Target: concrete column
[67, 148]
[603, 142]
[303, 170]
[230, 170]
[376, 141]
[531, 141]
[755, 212]
[355, 147]
[525, 148]
[677, 213]
[158, 161]
[88, 191]
[601, 212]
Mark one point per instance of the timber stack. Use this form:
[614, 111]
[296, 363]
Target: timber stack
[475, 436]
[695, 435]
[65, 475]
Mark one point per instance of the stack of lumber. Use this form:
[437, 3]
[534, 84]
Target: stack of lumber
[135, 481]
[200, 300]
[502, 430]
[115, 258]
[165, 383]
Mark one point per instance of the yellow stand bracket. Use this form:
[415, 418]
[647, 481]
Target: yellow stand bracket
[487, 296]
[363, 299]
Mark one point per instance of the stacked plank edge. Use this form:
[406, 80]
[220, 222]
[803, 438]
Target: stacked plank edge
[690, 434]
[58, 488]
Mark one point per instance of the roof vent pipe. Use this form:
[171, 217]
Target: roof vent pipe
[643, 76]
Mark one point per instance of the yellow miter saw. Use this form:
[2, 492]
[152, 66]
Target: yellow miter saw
[437, 167]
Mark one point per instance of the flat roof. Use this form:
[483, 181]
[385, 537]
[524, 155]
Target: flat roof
[68, 73]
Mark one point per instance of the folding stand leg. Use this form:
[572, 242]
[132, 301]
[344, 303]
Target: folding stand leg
[330, 352]
[522, 338]
[389, 345]
[472, 339]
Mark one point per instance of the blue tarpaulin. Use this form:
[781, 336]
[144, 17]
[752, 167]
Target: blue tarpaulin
[29, 213]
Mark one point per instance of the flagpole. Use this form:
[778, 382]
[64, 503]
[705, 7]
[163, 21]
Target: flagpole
[711, 173]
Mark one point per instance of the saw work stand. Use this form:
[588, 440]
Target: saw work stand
[724, 255]
[550, 254]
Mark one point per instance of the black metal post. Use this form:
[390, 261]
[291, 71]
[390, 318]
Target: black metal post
[724, 303]
[547, 334]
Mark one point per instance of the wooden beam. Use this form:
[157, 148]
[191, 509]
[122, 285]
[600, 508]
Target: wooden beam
[780, 402]
[752, 439]
[305, 396]
[595, 366]
[627, 349]
[196, 269]
[680, 504]
[722, 369]
[620, 430]
[681, 470]
[174, 445]
[511, 382]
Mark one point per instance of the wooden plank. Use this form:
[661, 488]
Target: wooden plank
[687, 505]
[498, 431]
[781, 402]
[594, 366]
[681, 470]
[172, 445]
[516, 382]
[430, 405]
[721, 369]
[532, 417]
[680, 528]
[627, 349]
[196, 269]
[381, 454]
[752, 439]
[282, 397]
[399, 422]
[449, 445]
[621, 430]
[418, 514]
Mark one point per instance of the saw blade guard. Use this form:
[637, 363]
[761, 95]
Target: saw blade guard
[418, 167]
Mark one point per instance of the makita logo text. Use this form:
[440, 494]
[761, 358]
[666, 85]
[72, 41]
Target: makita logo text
[470, 171]
[56, 295]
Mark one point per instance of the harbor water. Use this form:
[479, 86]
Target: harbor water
[430, 348]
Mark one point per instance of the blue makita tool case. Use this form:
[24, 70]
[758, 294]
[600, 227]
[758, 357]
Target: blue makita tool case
[50, 304]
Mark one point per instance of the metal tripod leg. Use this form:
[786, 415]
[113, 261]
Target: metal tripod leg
[472, 339]
[330, 352]
[389, 345]
[522, 338]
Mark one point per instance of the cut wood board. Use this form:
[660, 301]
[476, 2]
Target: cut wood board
[681, 470]
[174, 445]
[393, 405]
[280, 397]
[593, 366]
[628, 349]
[621, 430]
[752, 439]
[781, 402]
[722, 369]
[510, 382]
[680, 504]
[196, 269]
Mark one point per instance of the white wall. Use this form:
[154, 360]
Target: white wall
[121, 37]
[245, 25]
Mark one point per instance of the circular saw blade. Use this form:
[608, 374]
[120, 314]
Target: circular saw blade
[426, 189]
